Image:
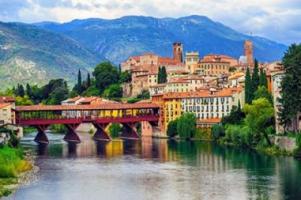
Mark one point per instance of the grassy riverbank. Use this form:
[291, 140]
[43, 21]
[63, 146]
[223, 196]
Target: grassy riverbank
[12, 164]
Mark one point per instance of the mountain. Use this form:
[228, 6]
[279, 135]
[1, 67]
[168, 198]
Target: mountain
[29, 54]
[117, 39]
[38, 52]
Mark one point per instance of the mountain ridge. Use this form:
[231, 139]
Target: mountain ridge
[37, 52]
[215, 37]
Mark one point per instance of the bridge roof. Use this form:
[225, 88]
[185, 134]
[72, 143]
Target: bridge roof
[106, 106]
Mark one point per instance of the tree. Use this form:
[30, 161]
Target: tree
[57, 96]
[23, 101]
[255, 78]
[291, 85]
[162, 75]
[113, 91]
[91, 91]
[144, 95]
[28, 91]
[79, 85]
[88, 80]
[258, 117]
[235, 117]
[20, 90]
[125, 77]
[172, 128]
[217, 131]
[105, 74]
[54, 92]
[262, 92]
[248, 87]
[115, 129]
[263, 79]
[186, 125]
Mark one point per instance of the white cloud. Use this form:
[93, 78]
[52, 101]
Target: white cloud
[275, 19]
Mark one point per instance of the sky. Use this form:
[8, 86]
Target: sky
[279, 20]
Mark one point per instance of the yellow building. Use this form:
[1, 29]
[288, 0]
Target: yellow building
[172, 110]
[213, 68]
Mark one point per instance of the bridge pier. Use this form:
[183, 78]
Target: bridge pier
[41, 137]
[129, 131]
[71, 135]
[101, 134]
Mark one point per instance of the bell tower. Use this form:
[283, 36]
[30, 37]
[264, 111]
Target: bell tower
[178, 52]
[248, 47]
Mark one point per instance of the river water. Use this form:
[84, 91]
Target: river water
[156, 169]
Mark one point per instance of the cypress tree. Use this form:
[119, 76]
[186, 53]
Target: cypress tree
[263, 79]
[79, 82]
[88, 80]
[28, 90]
[255, 78]
[164, 75]
[248, 87]
[20, 91]
[160, 75]
[14, 90]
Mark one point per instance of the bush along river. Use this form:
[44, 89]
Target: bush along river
[155, 169]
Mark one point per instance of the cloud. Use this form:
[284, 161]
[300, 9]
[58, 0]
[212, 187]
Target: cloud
[274, 19]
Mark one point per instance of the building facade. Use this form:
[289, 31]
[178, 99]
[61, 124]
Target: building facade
[205, 104]
[7, 106]
[6, 114]
[276, 78]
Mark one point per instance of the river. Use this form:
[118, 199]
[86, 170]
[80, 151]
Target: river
[156, 169]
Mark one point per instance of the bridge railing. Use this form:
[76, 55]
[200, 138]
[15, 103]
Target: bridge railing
[69, 119]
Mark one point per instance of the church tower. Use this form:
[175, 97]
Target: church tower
[178, 52]
[248, 47]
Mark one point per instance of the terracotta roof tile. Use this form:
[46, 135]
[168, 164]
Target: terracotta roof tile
[210, 120]
[106, 106]
[7, 99]
[226, 92]
[3, 105]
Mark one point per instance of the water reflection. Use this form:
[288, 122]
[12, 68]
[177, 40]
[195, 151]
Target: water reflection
[159, 169]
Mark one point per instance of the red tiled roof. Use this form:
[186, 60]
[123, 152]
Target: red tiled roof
[3, 105]
[167, 61]
[137, 58]
[74, 99]
[89, 99]
[226, 92]
[210, 120]
[105, 106]
[7, 99]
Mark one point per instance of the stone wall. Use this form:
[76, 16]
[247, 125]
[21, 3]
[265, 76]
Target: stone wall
[284, 142]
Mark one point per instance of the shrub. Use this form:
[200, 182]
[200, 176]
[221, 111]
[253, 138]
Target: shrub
[233, 134]
[114, 130]
[186, 125]
[172, 128]
[12, 163]
[217, 131]
[298, 140]
[203, 134]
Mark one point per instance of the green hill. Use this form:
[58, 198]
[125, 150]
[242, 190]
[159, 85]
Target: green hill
[32, 55]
